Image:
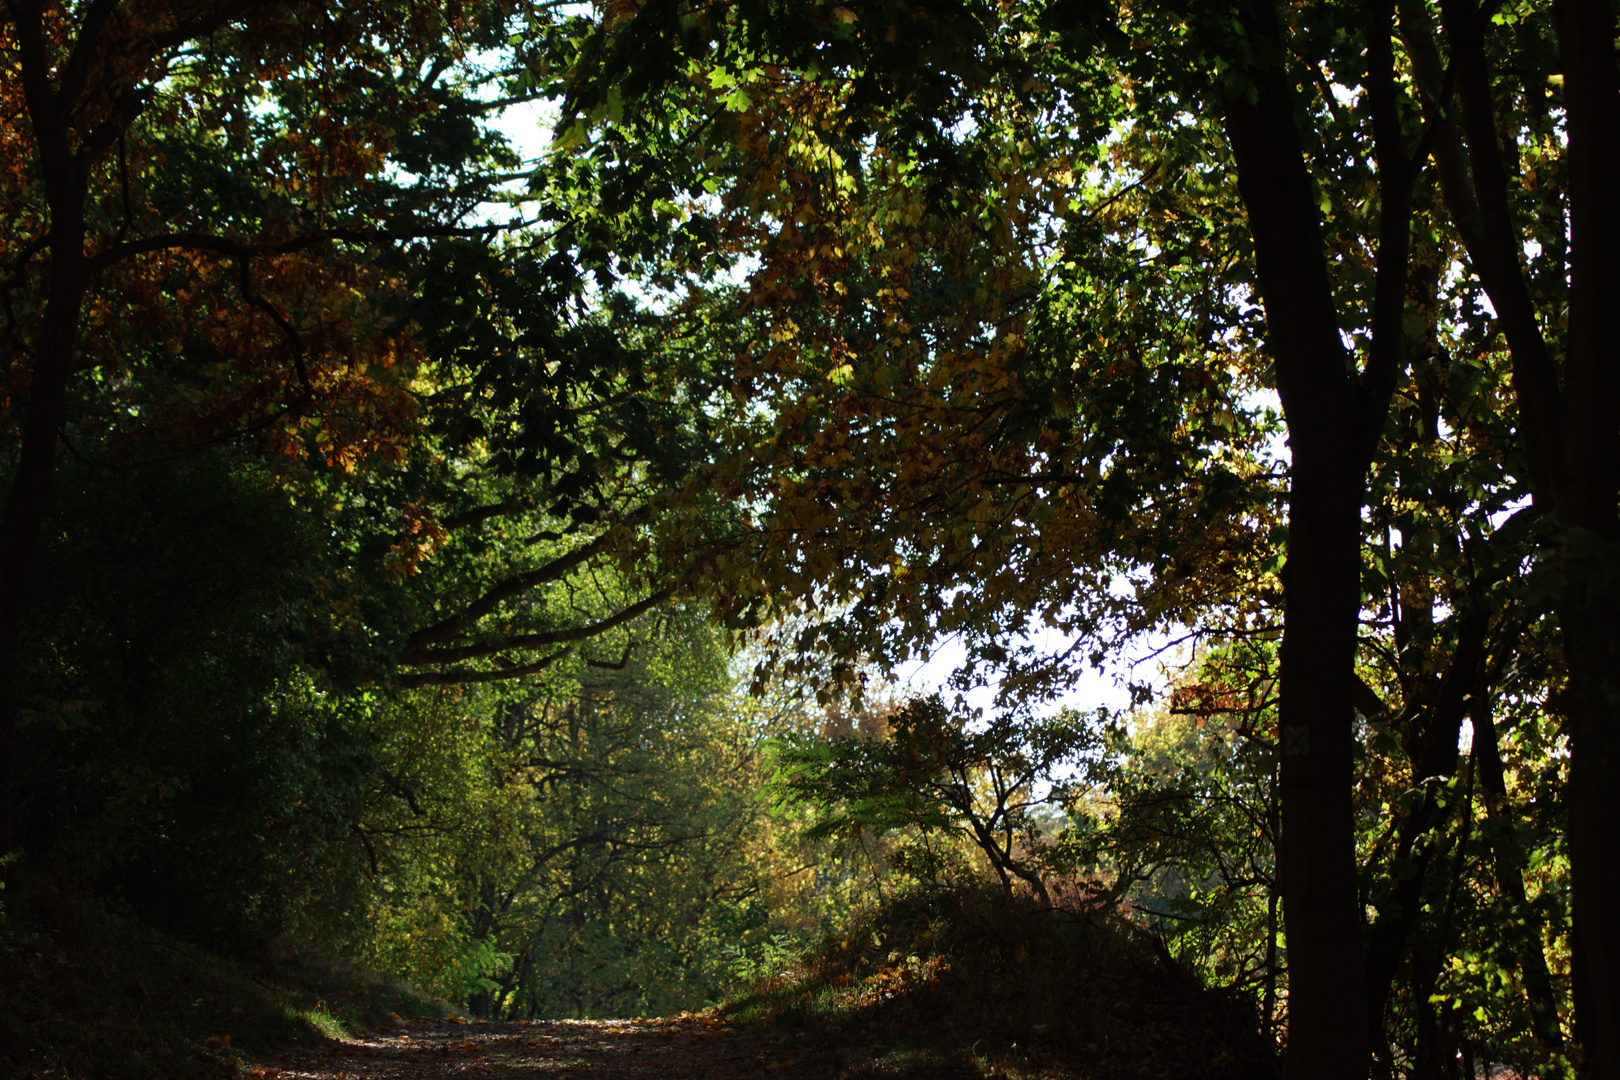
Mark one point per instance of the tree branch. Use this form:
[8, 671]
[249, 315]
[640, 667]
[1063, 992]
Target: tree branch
[514, 586]
[289, 331]
[1496, 256]
[206, 24]
[459, 677]
[456, 654]
[192, 241]
[459, 521]
[1386, 355]
[85, 45]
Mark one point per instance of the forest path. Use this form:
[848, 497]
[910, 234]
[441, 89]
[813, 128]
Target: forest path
[699, 1047]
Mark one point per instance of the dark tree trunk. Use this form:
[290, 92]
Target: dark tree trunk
[1321, 909]
[1588, 488]
[1508, 862]
[1433, 748]
[63, 175]
[1571, 435]
[1327, 421]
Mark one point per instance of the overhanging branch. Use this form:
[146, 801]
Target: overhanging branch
[460, 676]
[519, 642]
[415, 650]
[238, 249]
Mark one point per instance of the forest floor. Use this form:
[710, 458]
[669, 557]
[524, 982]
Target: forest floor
[699, 1046]
[938, 987]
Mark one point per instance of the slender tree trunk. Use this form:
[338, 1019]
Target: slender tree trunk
[51, 371]
[1508, 862]
[1589, 483]
[1269, 1005]
[1571, 435]
[1437, 1049]
[1327, 1030]
[1426, 1064]
[1433, 748]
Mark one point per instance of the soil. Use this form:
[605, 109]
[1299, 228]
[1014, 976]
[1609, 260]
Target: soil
[699, 1047]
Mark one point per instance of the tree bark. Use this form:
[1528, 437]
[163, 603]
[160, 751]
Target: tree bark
[1327, 424]
[63, 176]
[1588, 489]
[1508, 862]
[1571, 436]
[1434, 756]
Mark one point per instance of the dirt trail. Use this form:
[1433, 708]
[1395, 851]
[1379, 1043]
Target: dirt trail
[699, 1047]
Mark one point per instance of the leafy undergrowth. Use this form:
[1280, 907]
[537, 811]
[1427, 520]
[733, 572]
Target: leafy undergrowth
[976, 983]
[85, 993]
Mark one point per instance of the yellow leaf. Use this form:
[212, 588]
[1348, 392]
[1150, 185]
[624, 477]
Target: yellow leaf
[843, 14]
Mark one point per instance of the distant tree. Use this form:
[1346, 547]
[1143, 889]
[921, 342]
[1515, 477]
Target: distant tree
[931, 770]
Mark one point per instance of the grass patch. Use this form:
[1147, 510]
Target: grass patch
[973, 982]
[88, 993]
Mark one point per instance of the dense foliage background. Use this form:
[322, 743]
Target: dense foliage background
[489, 565]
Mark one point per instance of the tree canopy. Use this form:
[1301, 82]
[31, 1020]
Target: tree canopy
[1391, 218]
[1279, 326]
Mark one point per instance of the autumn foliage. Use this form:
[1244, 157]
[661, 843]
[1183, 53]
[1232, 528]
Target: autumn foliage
[393, 498]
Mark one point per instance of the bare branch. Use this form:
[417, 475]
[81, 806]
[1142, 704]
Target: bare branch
[456, 654]
[193, 241]
[458, 677]
[1495, 251]
[1386, 356]
[84, 51]
[514, 586]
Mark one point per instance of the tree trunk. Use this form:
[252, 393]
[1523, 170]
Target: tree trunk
[1508, 861]
[1434, 754]
[1571, 435]
[1327, 1031]
[1321, 910]
[1589, 484]
[63, 179]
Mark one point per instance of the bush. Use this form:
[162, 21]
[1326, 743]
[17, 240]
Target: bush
[974, 972]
